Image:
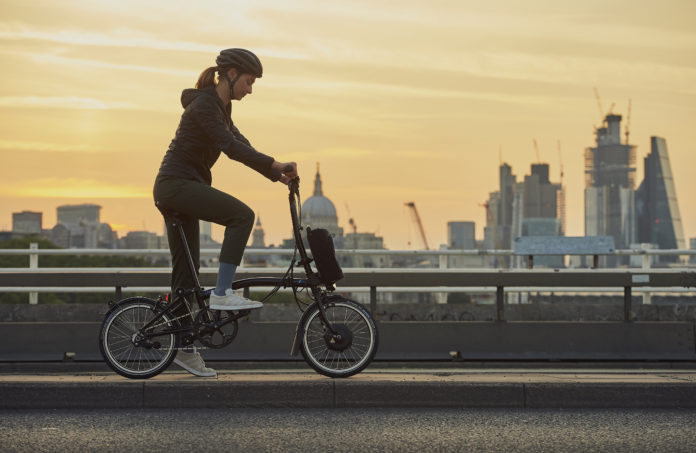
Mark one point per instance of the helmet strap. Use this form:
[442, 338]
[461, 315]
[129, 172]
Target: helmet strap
[232, 83]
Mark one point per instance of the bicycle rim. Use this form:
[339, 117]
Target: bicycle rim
[348, 361]
[117, 341]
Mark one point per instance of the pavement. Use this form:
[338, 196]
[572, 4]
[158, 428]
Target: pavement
[293, 384]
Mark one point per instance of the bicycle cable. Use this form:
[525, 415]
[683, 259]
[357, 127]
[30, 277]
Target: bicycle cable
[291, 268]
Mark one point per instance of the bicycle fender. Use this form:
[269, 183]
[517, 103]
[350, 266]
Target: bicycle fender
[295, 349]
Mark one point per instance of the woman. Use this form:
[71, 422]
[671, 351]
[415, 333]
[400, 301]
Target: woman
[183, 183]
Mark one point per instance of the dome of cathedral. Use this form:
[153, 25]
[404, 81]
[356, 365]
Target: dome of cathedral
[318, 211]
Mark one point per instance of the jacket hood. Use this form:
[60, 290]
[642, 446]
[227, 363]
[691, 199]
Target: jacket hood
[191, 94]
[188, 95]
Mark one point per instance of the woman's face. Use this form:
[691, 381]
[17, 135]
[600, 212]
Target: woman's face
[242, 86]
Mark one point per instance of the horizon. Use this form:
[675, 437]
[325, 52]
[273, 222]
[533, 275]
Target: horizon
[417, 104]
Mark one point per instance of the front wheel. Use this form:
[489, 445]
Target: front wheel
[348, 351]
[131, 351]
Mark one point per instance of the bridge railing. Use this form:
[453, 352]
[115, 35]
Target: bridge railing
[435, 280]
[440, 280]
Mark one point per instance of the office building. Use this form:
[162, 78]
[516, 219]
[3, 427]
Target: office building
[609, 187]
[659, 219]
[79, 226]
[461, 235]
[27, 222]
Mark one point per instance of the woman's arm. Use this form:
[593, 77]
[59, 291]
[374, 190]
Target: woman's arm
[208, 117]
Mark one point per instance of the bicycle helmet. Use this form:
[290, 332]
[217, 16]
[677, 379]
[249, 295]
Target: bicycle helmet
[241, 59]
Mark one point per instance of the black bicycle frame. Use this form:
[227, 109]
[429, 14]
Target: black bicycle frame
[311, 281]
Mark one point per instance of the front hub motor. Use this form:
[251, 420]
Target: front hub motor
[342, 339]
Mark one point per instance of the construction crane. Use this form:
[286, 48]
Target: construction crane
[628, 121]
[414, 214]
[489, 214]
[560, 160]
[599, 104]
[351, 221]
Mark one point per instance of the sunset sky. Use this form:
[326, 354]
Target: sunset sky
[398, 101]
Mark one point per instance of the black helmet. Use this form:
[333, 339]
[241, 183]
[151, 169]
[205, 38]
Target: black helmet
[242, 60]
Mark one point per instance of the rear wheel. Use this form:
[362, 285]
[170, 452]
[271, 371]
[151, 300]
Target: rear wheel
[348, 351]
[134, 353]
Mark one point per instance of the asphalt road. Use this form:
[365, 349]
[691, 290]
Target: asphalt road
[362, 430]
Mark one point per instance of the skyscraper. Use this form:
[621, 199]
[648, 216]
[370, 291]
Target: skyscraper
[609, 186]
[659, 220]
[537, 209]
[461, 235]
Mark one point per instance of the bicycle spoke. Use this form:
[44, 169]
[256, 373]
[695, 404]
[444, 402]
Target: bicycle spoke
[119, 347]
[335, 359]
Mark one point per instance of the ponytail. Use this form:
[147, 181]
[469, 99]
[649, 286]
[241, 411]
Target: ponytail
[207, 78]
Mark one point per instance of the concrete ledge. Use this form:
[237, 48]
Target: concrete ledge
[417, 388]
[214, 394]
[70, 395]
[599, 395]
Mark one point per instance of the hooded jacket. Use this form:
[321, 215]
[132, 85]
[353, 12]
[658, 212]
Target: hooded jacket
[205, 130]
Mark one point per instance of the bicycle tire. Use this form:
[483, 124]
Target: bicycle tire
[323, 357]
[116, 340]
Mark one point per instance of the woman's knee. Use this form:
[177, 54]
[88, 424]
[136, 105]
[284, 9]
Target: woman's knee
[248, 216]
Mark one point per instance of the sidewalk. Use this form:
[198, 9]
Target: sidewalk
[292, 386]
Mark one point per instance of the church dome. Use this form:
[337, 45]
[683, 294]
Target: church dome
[318, 211]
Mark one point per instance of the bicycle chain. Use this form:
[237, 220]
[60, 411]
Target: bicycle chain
[191, 314]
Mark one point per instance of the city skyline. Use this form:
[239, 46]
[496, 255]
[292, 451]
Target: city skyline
[413, 104]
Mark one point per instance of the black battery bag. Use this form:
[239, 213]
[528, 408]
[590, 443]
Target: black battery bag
[322, 246]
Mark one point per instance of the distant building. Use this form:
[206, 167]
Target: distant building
[319, 212]
[499, 215]
[532, 207]
[258, 240]
[143, 240]
[609, 187]
[539, 209]
[76, 214]
[659, 219]
[461, 235]
[79, 226]
[205, 231]
[28, 222]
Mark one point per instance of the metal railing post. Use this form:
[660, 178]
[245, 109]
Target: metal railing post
[373, 302]
[647, 297]
[34, 264]
[627, 304]
[442, 297]
[500, 302]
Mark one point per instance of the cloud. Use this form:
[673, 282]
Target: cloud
[128, 38]
[62, 102]
[16, 145]
[73, 188]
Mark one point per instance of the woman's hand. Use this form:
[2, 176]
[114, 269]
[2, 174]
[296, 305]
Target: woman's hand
[288, 170]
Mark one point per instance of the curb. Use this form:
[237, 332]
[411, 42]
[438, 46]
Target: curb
[328, 393]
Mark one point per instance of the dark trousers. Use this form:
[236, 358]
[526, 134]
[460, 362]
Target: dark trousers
[196, 201]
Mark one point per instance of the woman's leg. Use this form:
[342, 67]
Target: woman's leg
[200, 201]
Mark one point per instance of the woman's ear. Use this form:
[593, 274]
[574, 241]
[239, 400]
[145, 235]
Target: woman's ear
[232, 73]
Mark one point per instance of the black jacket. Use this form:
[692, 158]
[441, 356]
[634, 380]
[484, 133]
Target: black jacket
[205, 130]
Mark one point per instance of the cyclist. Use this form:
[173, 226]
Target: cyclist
[183, 183]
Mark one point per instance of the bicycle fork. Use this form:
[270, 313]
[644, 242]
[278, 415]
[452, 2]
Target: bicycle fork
[328, 327]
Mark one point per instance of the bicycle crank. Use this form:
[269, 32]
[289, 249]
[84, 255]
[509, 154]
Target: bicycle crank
[216, 329]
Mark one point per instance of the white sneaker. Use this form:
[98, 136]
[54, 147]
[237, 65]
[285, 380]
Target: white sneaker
[231, 301]
[194, 364]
